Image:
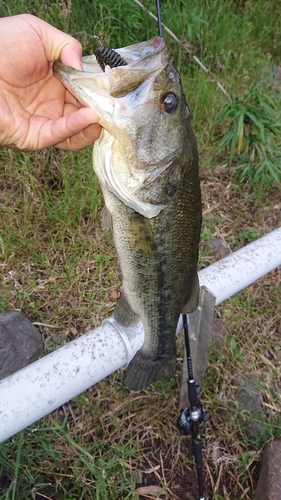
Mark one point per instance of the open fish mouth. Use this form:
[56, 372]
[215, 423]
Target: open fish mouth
[99, 89]
[129, 103]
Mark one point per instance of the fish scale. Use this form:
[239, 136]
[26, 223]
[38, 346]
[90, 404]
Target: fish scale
[147, 164]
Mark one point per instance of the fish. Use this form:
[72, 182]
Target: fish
[146, 161]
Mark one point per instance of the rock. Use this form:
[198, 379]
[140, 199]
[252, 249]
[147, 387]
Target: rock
[219, 248]
[269, 483]
[20, 342]
[249, 404]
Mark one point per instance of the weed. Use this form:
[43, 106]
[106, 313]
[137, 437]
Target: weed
[206, 234]
[253, 137]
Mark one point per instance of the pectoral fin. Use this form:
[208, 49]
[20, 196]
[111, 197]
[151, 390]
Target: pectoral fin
[106, 219]
[140, 237]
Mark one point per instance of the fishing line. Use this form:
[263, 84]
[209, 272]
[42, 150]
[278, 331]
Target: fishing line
[103, 19]
[105, 55]
[119, 21]
[191, 416]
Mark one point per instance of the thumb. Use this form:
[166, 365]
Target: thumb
[56, 44]
[71, 54]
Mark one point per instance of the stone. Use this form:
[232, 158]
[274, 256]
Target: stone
[20, 342]
[269, 482]
[249, 401]
[219, 248]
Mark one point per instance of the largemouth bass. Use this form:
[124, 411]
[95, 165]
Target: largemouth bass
[147, 164]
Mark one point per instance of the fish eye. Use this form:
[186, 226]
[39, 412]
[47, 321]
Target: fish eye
[169, 102]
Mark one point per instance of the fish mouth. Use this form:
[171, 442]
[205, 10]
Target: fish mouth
[127, 100]
[103, 90]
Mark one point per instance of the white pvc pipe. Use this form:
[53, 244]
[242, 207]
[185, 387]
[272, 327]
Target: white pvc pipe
[243, 267]
[43, 386]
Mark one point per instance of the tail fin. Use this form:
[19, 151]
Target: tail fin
[145, 369]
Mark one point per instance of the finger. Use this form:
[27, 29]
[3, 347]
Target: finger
[81, 140]
[57, 45]
[80, 123]
[71, 55]
[69, 99]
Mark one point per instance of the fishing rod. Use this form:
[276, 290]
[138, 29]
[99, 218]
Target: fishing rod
[159, 18]
[192, 416]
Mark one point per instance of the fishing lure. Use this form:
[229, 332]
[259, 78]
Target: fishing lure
[109, 57]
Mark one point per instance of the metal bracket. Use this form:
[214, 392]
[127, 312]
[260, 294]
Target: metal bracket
[200, 329]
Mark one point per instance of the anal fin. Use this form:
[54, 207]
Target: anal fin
[123, 313]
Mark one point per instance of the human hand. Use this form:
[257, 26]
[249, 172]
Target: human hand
[36, 109]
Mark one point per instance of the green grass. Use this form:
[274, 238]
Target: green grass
[94, 472]
[58, 266]
[253, 135]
